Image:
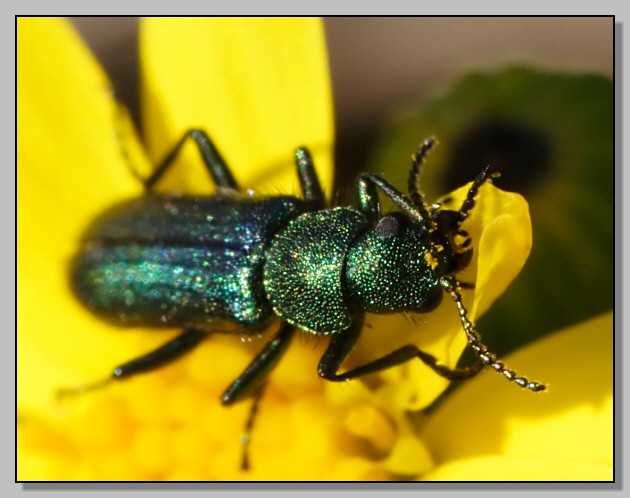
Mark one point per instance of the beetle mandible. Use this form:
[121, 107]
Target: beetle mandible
[234, 263]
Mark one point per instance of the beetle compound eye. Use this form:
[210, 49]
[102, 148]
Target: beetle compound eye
[389, 226]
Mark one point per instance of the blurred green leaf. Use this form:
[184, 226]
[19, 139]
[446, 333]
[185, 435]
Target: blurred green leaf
[551, 135]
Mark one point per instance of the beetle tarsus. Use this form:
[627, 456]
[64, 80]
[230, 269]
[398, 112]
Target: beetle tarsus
[64, 393]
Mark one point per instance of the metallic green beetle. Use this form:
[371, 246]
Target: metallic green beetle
[233, 263]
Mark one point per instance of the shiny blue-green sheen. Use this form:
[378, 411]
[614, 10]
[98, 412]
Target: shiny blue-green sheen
[176, 261]
[389, 269]
[304, 277]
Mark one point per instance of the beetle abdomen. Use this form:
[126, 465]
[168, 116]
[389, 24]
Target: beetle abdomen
[304, 269]
[178, 261]
[163, 286]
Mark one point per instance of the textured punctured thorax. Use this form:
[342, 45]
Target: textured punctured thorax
[305, 265]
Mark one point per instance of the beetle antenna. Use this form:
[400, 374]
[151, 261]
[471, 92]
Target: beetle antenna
[469, 202]
[452, 286]
[413, 180]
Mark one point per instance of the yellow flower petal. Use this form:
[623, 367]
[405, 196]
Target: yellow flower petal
[70, 167]
[364, 420]
[510, 468]
[409, 457]
[504, 235]
[571, 424]
[258, 86]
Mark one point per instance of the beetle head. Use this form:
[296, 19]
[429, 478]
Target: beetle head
[454, 243]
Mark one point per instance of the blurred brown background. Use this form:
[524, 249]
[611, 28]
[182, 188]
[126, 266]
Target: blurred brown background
[380, 64]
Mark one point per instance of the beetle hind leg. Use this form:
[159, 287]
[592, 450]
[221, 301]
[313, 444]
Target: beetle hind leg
[166, 353]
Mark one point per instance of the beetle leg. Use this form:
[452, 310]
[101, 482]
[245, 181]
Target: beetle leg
[368, 199]
[416, 208]
[166, 353]
[252, 380]
[311, 188]
[215, 164]
[341, 344]
[260, 366]
[249, 425]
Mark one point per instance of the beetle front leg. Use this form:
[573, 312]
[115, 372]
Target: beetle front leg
[367, 199]
[215, 164]
[369, 204]
[341, 344]
[309, 181]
